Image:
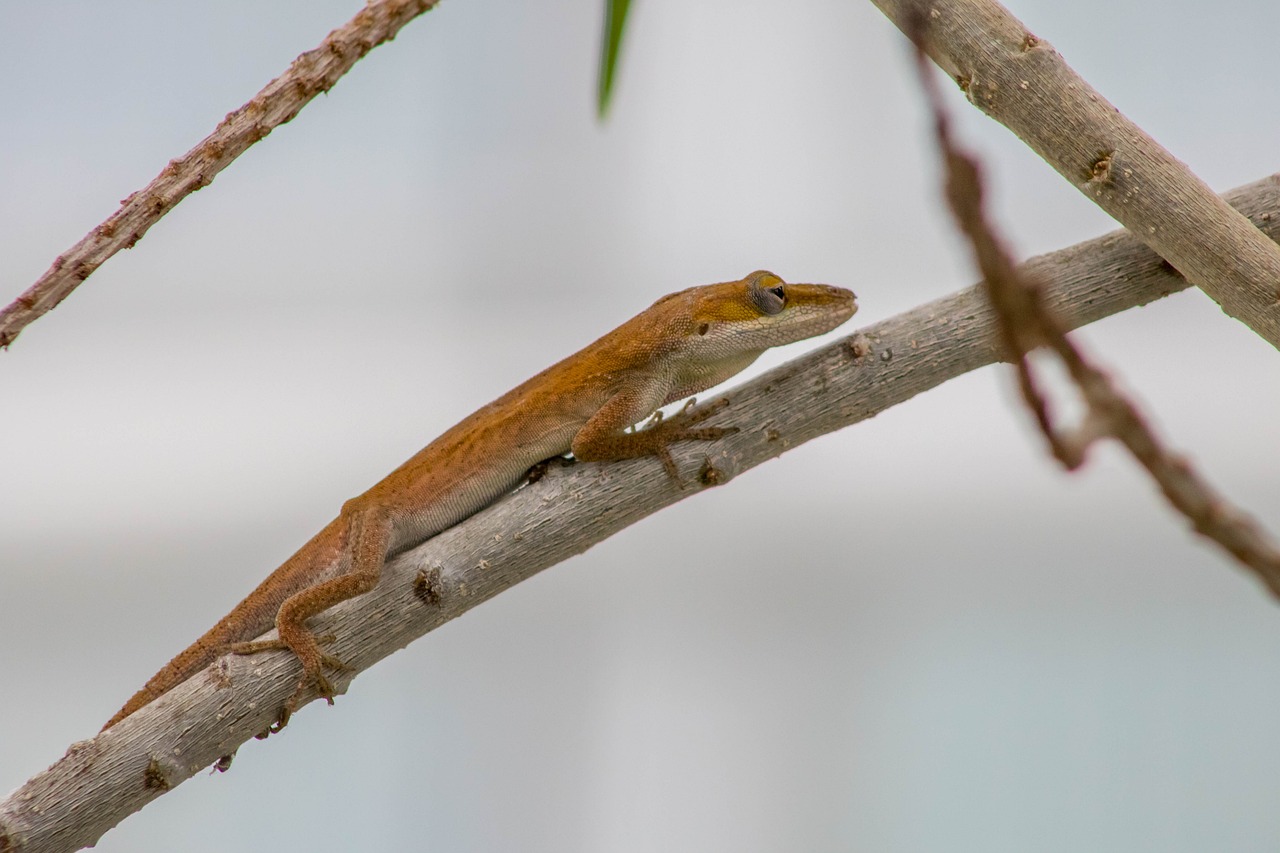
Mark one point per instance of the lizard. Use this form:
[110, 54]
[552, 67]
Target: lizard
[588, 404]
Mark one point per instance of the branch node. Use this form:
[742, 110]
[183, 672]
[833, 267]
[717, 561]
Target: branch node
[859, 346]
[154, 777]
[428, 586]
[709, 474]
[1099, 171]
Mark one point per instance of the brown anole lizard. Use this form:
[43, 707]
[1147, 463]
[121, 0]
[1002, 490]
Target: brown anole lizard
[684, 343]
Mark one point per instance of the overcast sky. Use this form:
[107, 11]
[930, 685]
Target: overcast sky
[915, 634]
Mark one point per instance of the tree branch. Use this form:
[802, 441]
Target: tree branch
[1026, 324]
[279, 101]
[101, 781]
[1022, 82]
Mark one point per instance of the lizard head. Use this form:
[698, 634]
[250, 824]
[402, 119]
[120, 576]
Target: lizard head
[761, 311]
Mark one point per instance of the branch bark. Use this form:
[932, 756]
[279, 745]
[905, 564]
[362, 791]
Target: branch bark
[278, 102]
[1026, 325]
[1022, 82]
[101, 781]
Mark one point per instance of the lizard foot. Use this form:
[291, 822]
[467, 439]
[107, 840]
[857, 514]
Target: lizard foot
[314, 663]
[681, 427]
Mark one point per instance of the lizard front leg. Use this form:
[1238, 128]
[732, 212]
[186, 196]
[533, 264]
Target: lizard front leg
[603, 436]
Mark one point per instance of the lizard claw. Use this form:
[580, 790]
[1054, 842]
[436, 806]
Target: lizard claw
[688, 417]
[312, 681]
[314, 677]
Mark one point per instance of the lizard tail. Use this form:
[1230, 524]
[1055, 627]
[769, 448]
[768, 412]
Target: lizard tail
[191, 660]
[249, 619]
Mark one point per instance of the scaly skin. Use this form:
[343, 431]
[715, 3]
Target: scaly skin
[684, 343]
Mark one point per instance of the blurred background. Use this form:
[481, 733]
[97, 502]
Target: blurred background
[916, 634]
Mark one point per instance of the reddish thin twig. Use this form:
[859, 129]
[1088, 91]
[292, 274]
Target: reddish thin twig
[1025, 324]
[279, 101]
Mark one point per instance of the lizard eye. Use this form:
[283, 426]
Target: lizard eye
[769, 293]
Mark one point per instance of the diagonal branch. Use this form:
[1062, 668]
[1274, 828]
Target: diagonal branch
[101, 781]
[1022, 82]
[1026, 324]
[279, 101]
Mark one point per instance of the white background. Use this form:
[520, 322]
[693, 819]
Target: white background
[916, 634]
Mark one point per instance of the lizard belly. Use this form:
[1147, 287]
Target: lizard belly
[454, 499]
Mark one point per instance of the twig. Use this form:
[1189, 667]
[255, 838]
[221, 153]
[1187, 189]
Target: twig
[101, 781]
[279, 101]
[1025, 324]
[1019, 80]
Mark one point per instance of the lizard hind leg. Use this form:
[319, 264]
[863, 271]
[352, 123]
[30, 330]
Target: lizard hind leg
[368, 532]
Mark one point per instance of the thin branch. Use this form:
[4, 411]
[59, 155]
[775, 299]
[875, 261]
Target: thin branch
[1026, 324]
[101, 781]
[1019, 80]
[279, 101]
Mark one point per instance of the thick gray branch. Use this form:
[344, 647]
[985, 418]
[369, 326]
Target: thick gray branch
[1023, 83]
[279, 101]
[101, 781]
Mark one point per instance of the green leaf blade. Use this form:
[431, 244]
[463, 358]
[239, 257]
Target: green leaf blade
[615, 20]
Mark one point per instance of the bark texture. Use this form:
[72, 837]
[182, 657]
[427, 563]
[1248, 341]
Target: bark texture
[1022, 82]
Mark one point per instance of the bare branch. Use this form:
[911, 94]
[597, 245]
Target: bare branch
[1021, 81]
[279, 101]
[1026, 324]
[101, 781]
